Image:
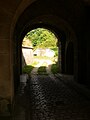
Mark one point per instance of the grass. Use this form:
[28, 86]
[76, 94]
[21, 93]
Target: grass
[54, 68]
[35, 63]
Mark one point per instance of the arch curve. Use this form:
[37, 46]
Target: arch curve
[63, 30]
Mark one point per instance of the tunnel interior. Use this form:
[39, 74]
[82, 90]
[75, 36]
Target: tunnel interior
[64, 68]
[68, 24]
[65, 93]
[36, 15]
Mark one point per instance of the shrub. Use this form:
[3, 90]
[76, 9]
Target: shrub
[54, 68]
[27, 69]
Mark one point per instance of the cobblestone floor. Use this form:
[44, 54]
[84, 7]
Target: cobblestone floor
[47, 99]
[51, 98]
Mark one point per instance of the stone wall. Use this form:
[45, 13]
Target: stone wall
[27, 56]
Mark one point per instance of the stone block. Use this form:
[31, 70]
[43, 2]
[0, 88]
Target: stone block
[4, 31]
[4, 46]
[5, 82]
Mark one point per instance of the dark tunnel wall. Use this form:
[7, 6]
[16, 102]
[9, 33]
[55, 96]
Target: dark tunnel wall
[70, 59]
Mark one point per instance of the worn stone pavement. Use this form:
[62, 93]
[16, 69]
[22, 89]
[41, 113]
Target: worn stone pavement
[51, 98]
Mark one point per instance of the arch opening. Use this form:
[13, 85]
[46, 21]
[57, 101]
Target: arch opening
[40, 45]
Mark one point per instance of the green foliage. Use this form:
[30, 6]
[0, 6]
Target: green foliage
[27, 69]
[54, 68]
[55, 49]
[42, 38]
[42, 70]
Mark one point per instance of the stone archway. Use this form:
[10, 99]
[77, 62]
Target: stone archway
[62, 36]
[49, 21]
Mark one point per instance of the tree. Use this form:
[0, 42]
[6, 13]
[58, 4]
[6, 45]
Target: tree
[42, 38]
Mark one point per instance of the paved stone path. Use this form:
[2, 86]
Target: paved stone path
[50, 98]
